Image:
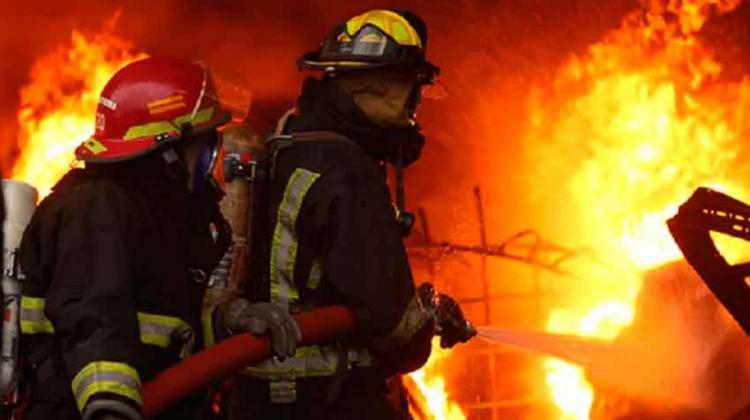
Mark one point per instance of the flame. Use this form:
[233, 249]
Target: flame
[635, 124]
[57, 106]
[431, 386]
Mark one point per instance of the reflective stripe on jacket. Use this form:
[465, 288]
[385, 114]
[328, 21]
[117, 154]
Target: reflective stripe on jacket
[335, 241]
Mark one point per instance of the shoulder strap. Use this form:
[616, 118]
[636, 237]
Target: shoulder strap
[321, 136]
[282, 141]
[279, 142]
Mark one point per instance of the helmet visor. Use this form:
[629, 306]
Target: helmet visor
[209, 167]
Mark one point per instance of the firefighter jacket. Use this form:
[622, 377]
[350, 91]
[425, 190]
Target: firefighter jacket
[115, 261]
[334, 240]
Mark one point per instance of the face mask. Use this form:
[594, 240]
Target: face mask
[209, 168]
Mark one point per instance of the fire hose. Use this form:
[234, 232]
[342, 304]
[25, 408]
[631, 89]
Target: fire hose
[219, 361]
[318, 326]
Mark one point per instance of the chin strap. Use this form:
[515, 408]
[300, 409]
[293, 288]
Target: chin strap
[711, 211]
[404, 218]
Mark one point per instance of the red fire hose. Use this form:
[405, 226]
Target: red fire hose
[219, 361]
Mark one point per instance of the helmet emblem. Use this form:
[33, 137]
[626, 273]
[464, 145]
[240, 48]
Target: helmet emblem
[169, 103]
[108, 103]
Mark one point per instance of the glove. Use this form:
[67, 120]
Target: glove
[110, 409]
[450, 324]
[239, 315]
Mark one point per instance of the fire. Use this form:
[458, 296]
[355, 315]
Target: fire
[57, 107]
[633, 127]
[430, 385]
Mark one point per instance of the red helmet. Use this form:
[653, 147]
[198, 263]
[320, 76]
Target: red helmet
[149, 103]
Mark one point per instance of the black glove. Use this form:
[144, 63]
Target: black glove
[450, 324]
[239, 315]
[110, 409]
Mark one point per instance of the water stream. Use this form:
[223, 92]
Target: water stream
[682, 351]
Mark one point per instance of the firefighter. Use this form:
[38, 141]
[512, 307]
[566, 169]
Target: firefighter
[116, 258]
[335, 238]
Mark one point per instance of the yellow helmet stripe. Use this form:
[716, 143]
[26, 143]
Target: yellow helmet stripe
[393, 24]
[159, 127]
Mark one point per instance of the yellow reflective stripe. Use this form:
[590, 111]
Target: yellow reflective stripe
[412, 320]
[94, 146]
[284, 245]
[156, 330]
[160, 127]
[389, 22]
[28, 302]
[164, 320]
[150, 129]
[155, 340]
[106, 376]
[34, 327]
[208, 326]
[316, 274]
[33, 320]
[281, 392]
[204, 115]
[309, 361]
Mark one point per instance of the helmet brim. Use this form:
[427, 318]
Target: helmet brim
[95, 150]
[312, 61]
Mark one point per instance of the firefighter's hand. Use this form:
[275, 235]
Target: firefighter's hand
[451, 325]
[240, 315]
[110, 409]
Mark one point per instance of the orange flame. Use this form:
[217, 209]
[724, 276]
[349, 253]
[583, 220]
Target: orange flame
[57, 106]
[635, 125]
[431, 386]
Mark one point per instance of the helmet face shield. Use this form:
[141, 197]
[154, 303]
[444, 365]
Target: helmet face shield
[369, 44]
[208, 173]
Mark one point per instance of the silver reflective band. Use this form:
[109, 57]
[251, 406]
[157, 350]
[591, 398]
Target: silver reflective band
[106, 377]
[284, 245]
[282, 392]
[157, 330]
[310, 361]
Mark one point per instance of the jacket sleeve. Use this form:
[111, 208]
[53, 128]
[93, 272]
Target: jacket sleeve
[365, 262]
[91, 301]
